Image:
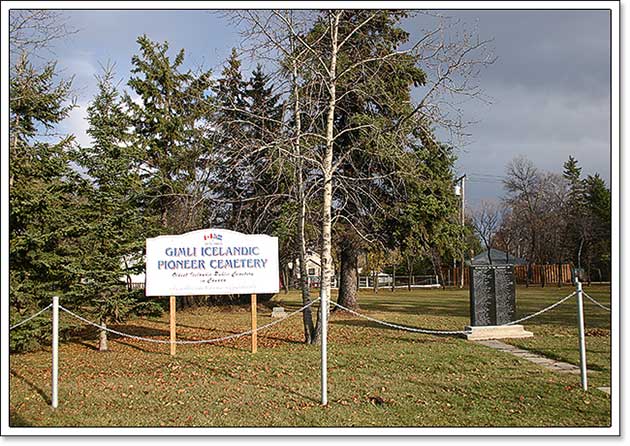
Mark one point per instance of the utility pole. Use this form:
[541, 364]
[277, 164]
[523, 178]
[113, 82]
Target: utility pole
[462, 192]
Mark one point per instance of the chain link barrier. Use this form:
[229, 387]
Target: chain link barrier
[595, 302]
[30, 318]
[449, 332]
[550, 307]
[269, 325]
[400, 327]
[188, 342]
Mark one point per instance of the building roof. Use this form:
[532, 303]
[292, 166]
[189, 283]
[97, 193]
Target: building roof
[498, 258]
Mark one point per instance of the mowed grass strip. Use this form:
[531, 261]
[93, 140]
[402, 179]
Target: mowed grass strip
[378, 376]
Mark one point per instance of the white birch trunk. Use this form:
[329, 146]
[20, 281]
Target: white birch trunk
[326, 256]
[310, 336]
[327, 168]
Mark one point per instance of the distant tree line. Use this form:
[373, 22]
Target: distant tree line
[551, 218]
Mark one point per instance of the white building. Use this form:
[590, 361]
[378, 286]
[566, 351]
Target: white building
[313, 268]
[133, 281]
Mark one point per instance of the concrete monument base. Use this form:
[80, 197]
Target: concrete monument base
[485, 332]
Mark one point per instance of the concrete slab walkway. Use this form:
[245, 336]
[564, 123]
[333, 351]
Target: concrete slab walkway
[550, 364]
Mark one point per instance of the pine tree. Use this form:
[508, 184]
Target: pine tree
[43, 197]
[249, 120]
[572, 173]
[597, 197]
[578, 220]
[234, 128]
[114, 232]
[599, 205]
[231, 91]
[267, 180]
[265, 109]
[427, 221]
[252, 181]
[170, 122]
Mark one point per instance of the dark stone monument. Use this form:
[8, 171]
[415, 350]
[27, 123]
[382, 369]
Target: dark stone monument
[492, 295]
[493, 303]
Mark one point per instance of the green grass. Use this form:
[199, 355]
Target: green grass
[377, 376]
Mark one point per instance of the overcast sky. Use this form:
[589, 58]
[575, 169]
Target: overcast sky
[549, 87]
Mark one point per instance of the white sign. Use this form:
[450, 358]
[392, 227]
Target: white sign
[210, 262]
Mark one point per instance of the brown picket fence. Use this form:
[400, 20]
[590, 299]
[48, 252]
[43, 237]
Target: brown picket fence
[544, 274]
[552, 274]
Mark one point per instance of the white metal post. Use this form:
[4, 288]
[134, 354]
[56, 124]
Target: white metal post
[55, 352]
[461, 278]
[324, 310]
[461, 191]
[580, 305]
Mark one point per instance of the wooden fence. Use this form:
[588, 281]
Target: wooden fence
[452, 275]
[538, 274]
[544, 274]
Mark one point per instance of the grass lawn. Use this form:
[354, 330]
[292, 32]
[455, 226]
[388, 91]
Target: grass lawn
[378, 376]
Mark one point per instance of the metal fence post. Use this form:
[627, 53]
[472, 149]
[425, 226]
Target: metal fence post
[55, 352]
[580, 305]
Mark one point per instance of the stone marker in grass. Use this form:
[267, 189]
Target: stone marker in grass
[278, 312]
[493, 303]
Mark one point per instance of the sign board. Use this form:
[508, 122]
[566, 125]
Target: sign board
[211, 262]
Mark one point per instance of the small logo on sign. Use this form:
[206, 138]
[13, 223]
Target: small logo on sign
[212, 236]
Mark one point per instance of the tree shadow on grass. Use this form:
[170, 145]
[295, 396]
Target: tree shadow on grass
[455, 308]
[86, 344]
[16, 420]
[283, 389]
[195, 327]
[370, 324]
[444, 304]
[423, 338]
[130, 329]
[562, 316]
[30, 384]
[137, 331]
[145, 332]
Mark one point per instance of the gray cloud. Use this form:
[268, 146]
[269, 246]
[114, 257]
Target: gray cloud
[550, 91]
[550, 85]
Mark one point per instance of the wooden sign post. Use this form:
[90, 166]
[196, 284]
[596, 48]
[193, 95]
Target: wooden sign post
[254, 334]
[211, 262]
[172, 323]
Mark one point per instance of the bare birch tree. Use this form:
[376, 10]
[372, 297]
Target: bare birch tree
[34, 29]
[335, 50]
[273, 37]
[486, 221]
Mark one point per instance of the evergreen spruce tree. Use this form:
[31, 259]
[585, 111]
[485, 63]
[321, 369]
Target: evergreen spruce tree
[234, 128]
[267, 179]
[114, 232]
[577, 217]
[597, 197]
[599, 205]
[231, 92]
[427, 221]
[265, 109]
[170, 122]
[44, 194]
[252, 180]
[249, 121]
